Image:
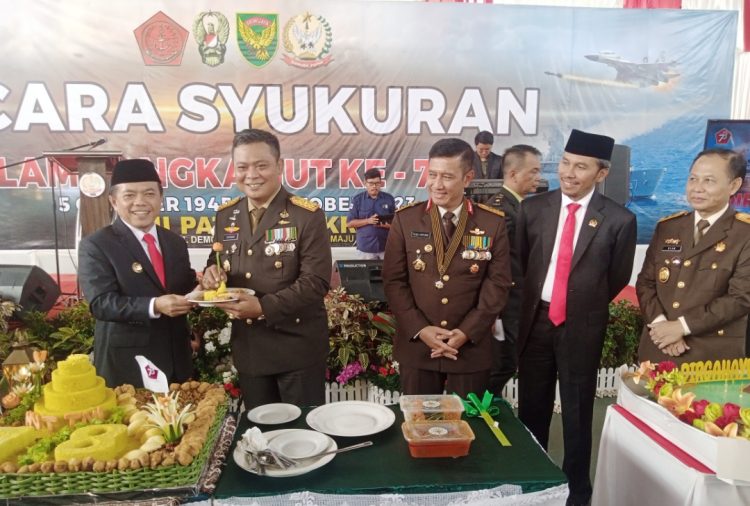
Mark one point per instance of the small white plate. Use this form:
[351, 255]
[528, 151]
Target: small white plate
[350, 418]
[302, 468]
[300, 443]
[196, 297]
[273, 414]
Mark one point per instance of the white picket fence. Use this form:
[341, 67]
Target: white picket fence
[607, 383]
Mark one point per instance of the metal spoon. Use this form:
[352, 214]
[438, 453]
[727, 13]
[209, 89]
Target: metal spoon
[331, 452]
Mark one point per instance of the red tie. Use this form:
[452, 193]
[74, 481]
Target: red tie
[562, 270]
[156, 259]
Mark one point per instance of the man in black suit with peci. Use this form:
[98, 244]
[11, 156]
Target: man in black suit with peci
[575, 248]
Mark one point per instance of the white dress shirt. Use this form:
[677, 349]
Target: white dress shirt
[549, 281]
[139, 234]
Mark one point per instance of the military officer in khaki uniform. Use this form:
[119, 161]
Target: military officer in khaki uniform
[276, 244]
[446, 276]
[694, 288]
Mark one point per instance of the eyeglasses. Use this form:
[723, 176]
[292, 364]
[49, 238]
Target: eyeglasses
[372, 183]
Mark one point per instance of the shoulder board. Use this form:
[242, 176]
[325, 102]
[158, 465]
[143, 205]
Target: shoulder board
[229, 204]
[308, 205]
[407, 206]
[491, 209]
[743, 217]
[675, 215]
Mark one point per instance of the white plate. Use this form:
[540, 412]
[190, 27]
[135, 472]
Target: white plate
[350, 418]
[273, 414]
[303, 468]
[300, 443]
[196, 297]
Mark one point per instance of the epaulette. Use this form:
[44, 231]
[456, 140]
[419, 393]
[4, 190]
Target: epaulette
[308, 205]
[407, 206]
[229, 204]
[675, 215]
[743, 217]
[491, 209]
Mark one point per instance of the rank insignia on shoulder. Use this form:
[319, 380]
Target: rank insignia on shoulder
[491, 209]
[743, 217]
[229, 204]
[308, 205]
[407, 206]
[675, 215]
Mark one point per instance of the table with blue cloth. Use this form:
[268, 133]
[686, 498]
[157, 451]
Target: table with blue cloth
[386, 467]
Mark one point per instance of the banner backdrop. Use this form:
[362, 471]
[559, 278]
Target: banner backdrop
[347, 86]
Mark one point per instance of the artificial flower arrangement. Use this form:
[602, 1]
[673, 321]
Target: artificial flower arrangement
[212, 331]
[360, 340]
[666, 382]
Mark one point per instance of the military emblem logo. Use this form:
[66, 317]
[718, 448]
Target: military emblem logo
[258, 37]
[664, 274]
[161, 40]
[211, 32]
[307, 41]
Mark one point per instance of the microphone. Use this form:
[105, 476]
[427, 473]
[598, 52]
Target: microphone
[98, 142]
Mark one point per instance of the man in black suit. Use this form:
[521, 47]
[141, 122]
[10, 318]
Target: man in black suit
[575, 248]
[487, 165]
[522, 173]
[134, 275]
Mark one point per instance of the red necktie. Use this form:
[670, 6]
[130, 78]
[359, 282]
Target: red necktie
[562, 270]
[156, 259]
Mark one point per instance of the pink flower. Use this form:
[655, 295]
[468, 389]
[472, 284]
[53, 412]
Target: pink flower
[699, 406]
[657, 387]
[689, 416]
[732, 411]
[666, 366]
[723, 421]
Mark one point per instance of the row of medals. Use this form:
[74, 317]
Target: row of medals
[468, 254]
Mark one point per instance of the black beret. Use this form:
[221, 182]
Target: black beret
[136, 170]
[586, 144]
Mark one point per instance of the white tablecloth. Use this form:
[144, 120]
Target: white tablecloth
[633, 468]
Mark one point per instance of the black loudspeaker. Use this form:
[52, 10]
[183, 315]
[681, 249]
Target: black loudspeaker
[28, 286]
[617, 184]
[363, 277]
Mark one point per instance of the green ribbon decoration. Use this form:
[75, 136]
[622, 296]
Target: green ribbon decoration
[484, 409]
[484, 405]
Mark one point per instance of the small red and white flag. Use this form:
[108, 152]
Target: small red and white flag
[153, 378]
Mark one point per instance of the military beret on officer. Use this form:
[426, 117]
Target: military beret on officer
[136, 170]
[587, 144]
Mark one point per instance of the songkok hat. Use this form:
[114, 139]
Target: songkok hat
[586, 144]
[136, 170]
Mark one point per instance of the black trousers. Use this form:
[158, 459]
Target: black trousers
[303, 387]
[541, 364]
[504, 360]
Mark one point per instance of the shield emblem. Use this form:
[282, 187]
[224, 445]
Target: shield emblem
[258, 37]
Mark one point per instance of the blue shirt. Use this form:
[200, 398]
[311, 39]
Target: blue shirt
[371, 239]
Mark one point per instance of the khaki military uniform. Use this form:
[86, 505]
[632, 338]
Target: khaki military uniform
[468, 295]
[708, 284]
[287, 261]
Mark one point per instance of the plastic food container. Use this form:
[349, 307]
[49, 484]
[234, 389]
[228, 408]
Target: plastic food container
[446, 438]
[431, 407]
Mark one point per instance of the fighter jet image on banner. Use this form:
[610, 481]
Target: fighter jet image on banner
[642, 74]
[629, 74]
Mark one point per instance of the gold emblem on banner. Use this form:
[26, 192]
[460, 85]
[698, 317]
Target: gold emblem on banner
[137, 268]
[664, 274]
